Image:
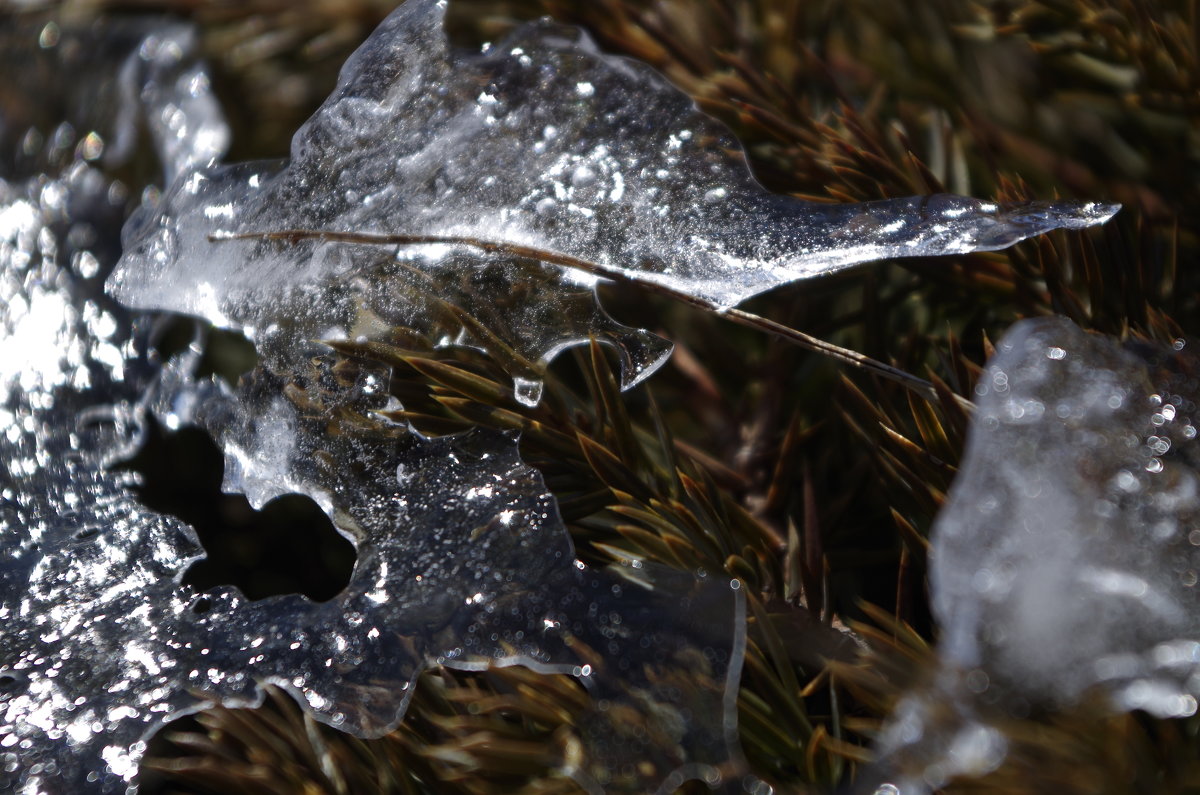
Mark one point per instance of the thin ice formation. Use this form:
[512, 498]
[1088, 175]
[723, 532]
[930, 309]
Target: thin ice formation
[540, 141]
[462, 556]
[1065, 561]
[82, 564]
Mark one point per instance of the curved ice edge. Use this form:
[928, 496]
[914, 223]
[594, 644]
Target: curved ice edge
[994, 227]
[1047, 215]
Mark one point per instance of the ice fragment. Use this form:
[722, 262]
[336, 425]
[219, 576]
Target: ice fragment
[462, 556]
[86, 574]
[1064, 562]
[540, 141]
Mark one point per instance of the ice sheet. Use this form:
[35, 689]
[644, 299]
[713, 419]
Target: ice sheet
[540, 141]
[1066, 557]
[462, 555]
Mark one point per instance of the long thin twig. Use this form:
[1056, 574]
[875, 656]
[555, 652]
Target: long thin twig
[918, 385]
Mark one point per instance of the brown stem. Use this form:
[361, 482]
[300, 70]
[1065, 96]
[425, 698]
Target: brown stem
[918, 385]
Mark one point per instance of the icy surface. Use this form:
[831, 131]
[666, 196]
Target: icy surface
[538, 141]
[462, 556]
[1067, 555]
[463, 560]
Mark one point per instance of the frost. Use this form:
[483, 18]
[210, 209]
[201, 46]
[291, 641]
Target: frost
[1065, 560]
[540, 141]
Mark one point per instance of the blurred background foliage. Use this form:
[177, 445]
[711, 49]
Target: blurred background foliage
[814, 483]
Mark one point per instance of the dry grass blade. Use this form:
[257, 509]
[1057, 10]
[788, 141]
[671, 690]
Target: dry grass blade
[742, 317]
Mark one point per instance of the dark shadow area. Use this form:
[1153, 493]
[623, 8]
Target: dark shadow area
[227, 354]
[290, 546]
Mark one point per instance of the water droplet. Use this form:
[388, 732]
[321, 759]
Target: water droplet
[49, 36]
[92, 146]
[527, 391]
[86, 264]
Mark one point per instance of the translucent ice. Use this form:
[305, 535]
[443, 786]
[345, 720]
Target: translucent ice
[539, 141]
[462, 556]
[462, 560]
[1067, 555]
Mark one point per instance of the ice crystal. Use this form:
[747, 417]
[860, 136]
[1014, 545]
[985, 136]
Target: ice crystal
[539, 141]
[1065, 560]
[462, 556]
